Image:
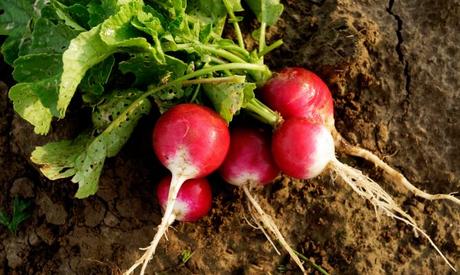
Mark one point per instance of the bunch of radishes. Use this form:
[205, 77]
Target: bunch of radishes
[192, 141]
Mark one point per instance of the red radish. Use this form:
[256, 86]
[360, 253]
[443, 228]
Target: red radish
[191, 141]
[297, 92]
[303, 149]
[249, 163]
[193, 200]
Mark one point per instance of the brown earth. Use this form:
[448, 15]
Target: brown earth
[394, 71]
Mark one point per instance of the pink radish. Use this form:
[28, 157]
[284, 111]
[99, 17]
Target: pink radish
[297, 92]
[249, 158]
[303, 149]
[191, 141]
[193, 200]
[249, 164]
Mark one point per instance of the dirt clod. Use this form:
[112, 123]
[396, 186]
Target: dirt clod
[23, 187]
[16, 252]
[55, 213]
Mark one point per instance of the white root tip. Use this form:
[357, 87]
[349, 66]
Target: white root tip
[395, 176]
[166, 221]
[381, 200]
[270, 225]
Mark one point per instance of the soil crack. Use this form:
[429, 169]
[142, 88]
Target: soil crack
[400, 53]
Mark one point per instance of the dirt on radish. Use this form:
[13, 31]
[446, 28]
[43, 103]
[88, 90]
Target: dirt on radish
[394, 74]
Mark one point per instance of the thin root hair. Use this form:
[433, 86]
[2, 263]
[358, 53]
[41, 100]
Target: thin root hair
[380, 199]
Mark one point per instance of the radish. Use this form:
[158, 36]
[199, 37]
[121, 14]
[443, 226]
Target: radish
[193, 200]
[249, 164]
[297, 92]
[303, 149]
[191, 141]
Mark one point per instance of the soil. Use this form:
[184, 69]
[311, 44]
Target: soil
[394, 71]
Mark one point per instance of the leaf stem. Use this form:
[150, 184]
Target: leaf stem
[221, 53]
[236, 49]
[178, 81]
[263, 26]
[213, 49]
[263, 113]
[271, 47]
[230, 12]
[215, 80]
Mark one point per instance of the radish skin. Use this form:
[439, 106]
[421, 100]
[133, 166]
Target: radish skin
[249, 164]
[191, 141]
[298, 144]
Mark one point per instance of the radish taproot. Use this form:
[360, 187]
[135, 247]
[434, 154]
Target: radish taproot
[191, 141]
[297, 92]
[249, 164]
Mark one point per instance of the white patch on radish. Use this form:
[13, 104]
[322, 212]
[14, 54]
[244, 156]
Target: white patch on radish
[323, 154]
[244, 178]
[181, 164]
[180, 210]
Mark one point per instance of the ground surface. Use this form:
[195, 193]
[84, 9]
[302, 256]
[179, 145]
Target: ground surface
[394, 71]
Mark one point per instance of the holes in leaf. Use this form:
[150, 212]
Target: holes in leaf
[2, 12]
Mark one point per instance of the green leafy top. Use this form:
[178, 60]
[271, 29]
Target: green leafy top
[173, 50]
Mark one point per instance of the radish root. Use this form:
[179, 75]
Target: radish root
[166, 221]
[270, 225]
[260, 227]
[381, 200]
[394, 175]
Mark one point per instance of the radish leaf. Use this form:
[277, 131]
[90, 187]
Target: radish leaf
[84, 157]
[266, 11]
[92, 84]
[147, 69]
[228, 99]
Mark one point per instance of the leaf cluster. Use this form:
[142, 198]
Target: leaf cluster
[174, 51]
